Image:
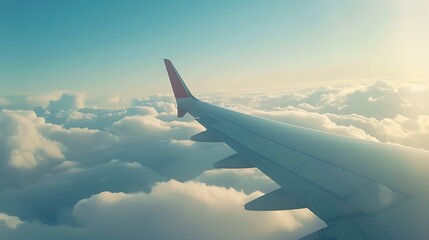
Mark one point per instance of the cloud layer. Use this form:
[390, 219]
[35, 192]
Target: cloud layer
[71, 170]
[189, 210]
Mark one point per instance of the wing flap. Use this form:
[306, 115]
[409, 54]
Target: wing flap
[234, 161]
[205, 136]
[279, 199]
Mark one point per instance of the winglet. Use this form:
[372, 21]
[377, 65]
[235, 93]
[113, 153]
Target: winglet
[181, 92]
[179, 87]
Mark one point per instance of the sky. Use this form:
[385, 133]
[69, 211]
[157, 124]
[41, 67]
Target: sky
[90, 143]
[117, 47]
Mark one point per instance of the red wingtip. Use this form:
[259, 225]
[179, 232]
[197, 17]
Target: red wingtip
[179, 87]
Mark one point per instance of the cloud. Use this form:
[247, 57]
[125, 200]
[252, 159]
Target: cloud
[189, 210]
[54, 195]
[141, 110]
[313, 120]
[248, 180]
[82, 145]
[22, 143]
[148, 128]
[75, 169]
[10, 221]
[379, 111]
[380, 99]
[16, 102]
[67, 101]
[60, 158]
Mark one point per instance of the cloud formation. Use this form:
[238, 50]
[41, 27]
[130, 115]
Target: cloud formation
[10, 221]
[380, 111]
[24, 146]
[67, 101]
[189, 210]
[71, 170]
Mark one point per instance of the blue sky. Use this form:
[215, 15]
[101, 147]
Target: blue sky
[117, 47]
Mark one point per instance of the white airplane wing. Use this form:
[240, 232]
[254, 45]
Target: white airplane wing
[361, 189]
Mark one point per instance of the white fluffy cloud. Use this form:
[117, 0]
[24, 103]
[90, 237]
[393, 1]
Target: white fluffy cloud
[248, 180]
[174, 210]
[380, 111]
[73, 170]
[54, 195]
[313, 120]
[58, 161]
[67, 101]
[21, 141]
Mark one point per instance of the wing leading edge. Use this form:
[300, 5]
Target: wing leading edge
[361, 189]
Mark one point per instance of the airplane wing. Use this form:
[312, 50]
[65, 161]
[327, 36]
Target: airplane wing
[363, 190]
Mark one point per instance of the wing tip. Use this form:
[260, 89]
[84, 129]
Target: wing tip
[180, 90]
[179, 87]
